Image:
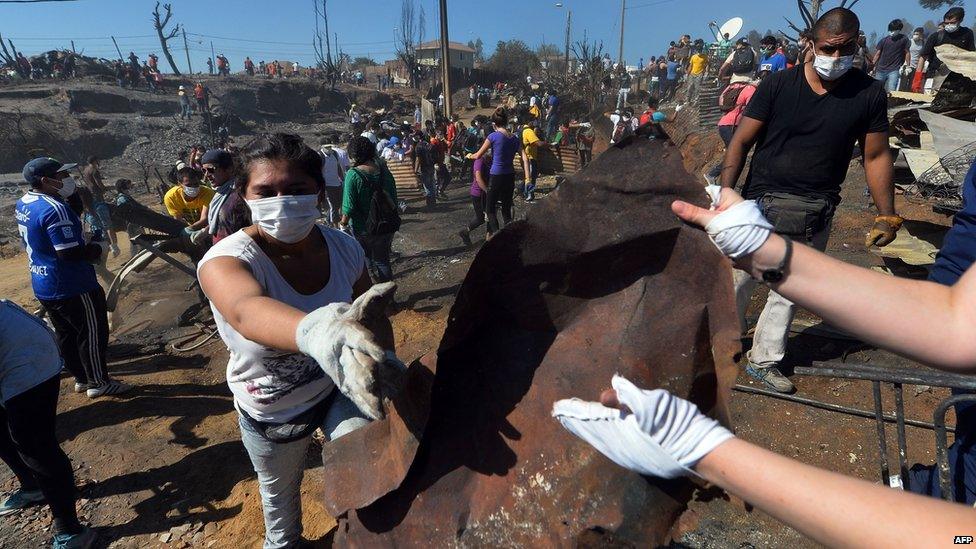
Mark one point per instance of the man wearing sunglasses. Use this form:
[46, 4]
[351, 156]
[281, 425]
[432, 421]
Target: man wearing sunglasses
[804, 123]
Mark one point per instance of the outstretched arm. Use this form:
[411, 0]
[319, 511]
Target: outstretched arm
[832, 509]
[924, 321]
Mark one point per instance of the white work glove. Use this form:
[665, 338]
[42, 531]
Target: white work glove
[199, 236]
[739, 230]
[345, 349]
[661, 435]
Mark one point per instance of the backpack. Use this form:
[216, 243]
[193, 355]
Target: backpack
[743, 61]
[731, 96]
[623, 130]
[647, 117]
[424, 155]
[471, 140]
[384, 216]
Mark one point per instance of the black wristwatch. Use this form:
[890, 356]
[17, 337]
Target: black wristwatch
[775, 276]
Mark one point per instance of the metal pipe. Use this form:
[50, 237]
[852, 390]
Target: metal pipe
[906, 376]
[446, 61]
[834, 407]
[882, 441]
[941, 442]
[902, 441]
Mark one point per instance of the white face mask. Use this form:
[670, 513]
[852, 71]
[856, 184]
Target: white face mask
[832, 68]
[68, 187]
[191, 192]
[951, 28]
[893, 33]
[286, 219]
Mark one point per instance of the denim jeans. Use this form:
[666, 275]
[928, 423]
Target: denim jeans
[890, 78]
[726, 133]
[377, 248]
[280, 468]
[529, 193]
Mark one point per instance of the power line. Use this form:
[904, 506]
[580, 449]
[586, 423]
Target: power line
[78, 37]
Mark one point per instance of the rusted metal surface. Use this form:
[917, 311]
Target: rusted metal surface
[600, 278]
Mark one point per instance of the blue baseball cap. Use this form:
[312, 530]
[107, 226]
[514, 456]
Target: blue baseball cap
[217, 157]
[44, 167]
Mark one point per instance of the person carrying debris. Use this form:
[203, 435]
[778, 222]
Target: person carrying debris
[101, 213]
[952, 33]
[153, 62]
[280, 291]
[892, 54]
[804, 143]
[501, 181]
[30, 364]
[658, 434]
[61, 261]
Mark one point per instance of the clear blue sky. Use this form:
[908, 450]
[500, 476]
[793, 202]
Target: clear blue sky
[366, 27]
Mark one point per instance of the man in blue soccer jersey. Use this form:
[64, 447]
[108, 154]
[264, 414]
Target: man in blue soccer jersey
[63, 275]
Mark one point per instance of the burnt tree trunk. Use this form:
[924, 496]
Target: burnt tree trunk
[160, 25]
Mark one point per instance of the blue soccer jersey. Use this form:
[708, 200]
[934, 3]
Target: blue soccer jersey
[47, 225]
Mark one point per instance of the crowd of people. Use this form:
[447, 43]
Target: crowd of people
[291, 244]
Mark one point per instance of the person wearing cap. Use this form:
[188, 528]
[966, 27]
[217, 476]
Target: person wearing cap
[741, 63]
[185, 111]
[227, 212]
[61, 261]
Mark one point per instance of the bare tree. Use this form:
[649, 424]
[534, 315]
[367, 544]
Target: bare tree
[589, 81]
[323, 54]
[409, 35]
[160, 24]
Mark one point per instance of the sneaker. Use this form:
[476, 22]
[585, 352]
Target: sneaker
[82, 387]
[82, 540]
[465, 236]
[109, 389]
[21, 499]
[771, 377]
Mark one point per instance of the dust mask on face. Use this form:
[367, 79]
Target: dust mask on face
[191, 192]
[832, 68]
[68, 187]
[286, 219]
[951, 28]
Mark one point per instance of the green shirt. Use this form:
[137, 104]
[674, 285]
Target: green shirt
[357, 193]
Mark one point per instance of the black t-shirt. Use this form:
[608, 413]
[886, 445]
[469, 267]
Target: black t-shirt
[893, 49]
[962, 38]
[807, 140]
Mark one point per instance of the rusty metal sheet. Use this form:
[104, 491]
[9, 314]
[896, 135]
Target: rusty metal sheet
[600, 278]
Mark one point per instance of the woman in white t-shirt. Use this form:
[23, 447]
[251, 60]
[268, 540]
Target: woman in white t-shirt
[280, 291]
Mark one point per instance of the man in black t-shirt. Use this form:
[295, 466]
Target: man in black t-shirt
[804, 123]
[954, 33]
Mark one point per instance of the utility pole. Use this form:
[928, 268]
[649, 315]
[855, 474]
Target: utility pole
[213, 57]
[328, 46]
[446, 60]
[623, 11]
[569, 23]
[186, 48]
[118, 50]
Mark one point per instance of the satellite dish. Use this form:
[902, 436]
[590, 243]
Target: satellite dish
[732, 27]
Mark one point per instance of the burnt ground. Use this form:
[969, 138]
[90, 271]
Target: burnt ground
[164, 466]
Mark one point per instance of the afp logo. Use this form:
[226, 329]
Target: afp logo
[962, 540]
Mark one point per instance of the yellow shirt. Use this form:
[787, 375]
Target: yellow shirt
[187, 210]
[698, 64]
[529, 143]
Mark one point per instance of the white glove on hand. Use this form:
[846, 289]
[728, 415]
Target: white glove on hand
[345, 349]
[739, 230]
[662, 435]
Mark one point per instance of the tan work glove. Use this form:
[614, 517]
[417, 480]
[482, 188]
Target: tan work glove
[885, 230]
